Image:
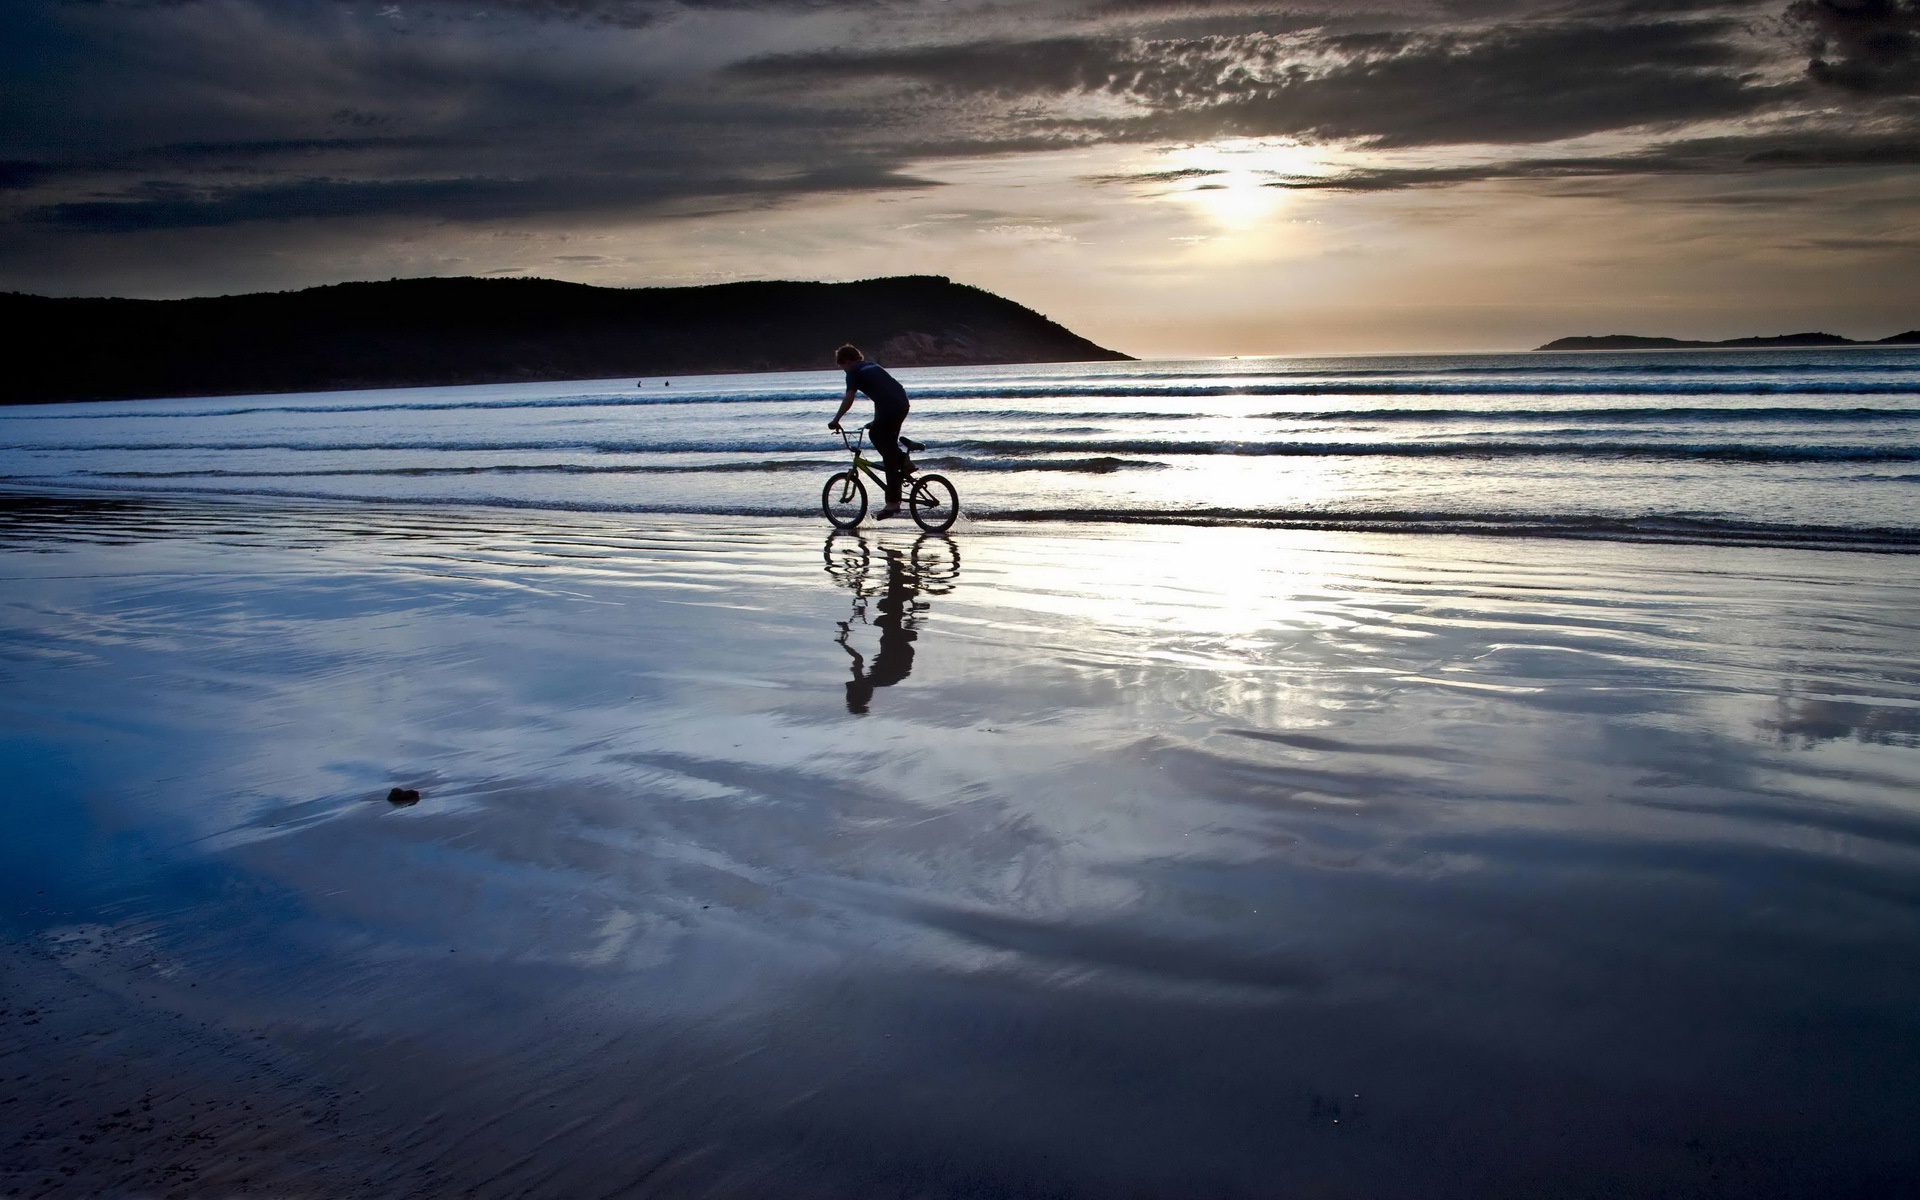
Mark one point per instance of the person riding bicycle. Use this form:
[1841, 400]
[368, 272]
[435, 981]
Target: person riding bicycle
[889, 412]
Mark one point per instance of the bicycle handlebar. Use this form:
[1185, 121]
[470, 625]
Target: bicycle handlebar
[852, 441]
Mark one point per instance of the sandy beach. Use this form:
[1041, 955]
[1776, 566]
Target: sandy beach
[1037, 860]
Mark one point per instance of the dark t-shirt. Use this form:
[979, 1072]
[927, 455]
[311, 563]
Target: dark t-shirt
[883, 389]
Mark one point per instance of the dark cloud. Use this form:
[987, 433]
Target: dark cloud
[188, 154]
[1866, 245]
[1897, 150]
[160, 205]
[1870, 46]
[15, 175]
[628, 14]
[1394, 179]
[1729, 156]
[1006, 69]
[1515, 85]
[1179, 176]
[1534, 82]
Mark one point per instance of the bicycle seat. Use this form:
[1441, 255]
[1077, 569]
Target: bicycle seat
[911, 445]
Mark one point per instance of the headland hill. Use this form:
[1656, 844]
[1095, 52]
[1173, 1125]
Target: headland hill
[1785, 341]
[438, 331]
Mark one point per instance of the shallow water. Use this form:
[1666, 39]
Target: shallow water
[1788, 448]
[1169, 862]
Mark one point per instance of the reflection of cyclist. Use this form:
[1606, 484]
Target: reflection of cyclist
[894, 661]
[889, 411]
[930, 569]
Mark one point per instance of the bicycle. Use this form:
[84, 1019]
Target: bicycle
[931, 499]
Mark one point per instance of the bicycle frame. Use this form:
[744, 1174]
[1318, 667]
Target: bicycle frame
[855, 442]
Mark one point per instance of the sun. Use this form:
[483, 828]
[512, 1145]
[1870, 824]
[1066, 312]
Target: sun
[1230, 181]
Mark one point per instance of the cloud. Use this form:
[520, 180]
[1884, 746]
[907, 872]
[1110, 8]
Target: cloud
[159, 205]
[1723, 156]
[1868, 46]
[132, 118]
[1855, 151]
[20, 174]
[191, 152]
[1179, 175]
[1529, 84]
[1508, 83]
[628, 14]
[569, 90]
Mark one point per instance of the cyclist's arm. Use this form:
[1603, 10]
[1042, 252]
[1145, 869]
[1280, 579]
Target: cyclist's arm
[844, 406]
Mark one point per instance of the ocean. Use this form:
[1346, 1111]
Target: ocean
[1800, 448]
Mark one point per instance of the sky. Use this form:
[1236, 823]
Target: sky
[1169, 179]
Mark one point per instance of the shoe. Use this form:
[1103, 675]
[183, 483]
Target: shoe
[891, 510]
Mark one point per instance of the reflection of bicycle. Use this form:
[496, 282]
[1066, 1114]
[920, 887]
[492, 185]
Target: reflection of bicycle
[930, 498]
[847, 556]
[932, 565]
[935, 561]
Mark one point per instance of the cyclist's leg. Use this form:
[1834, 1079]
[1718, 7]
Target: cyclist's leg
[885, 433]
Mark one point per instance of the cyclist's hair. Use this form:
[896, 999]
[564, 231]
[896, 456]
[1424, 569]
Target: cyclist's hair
[848, 353]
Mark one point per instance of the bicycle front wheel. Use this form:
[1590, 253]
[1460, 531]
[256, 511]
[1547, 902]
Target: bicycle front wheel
[847, 557]
[936, 563]
[844, 500]
[933, 502]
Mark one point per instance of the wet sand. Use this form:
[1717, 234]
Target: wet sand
[1049, 860]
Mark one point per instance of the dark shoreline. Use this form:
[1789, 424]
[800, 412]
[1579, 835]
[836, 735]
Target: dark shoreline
[443, 332]
[1786, 341]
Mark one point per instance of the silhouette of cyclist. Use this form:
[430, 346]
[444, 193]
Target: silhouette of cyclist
[889, 412]
[894, 662]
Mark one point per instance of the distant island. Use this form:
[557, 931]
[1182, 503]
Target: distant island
[1628, 341]
[423, 332]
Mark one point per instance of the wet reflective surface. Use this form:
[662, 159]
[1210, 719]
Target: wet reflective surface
[1163, 862]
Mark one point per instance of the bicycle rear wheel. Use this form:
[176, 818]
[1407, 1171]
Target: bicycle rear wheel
[933, 502]
[844, 499]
